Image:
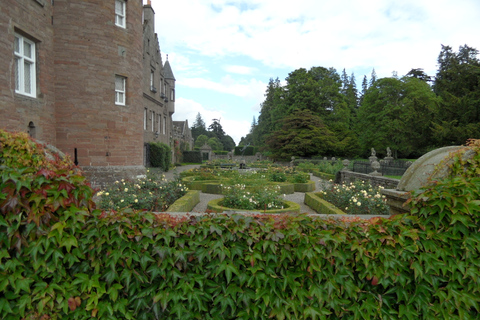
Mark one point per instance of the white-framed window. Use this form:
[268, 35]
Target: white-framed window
[120, 13]
[164, 125]
[25, 75]
[153, 120]
[172, 95]
[120, 90]
[145, 111]
[159, 123]
[152, 81]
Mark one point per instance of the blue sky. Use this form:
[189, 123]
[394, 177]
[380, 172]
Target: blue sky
[223, 52]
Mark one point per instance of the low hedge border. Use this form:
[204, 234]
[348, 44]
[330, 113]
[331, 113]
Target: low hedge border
[186, 203]
[198, 184]
[305, 187]
[214, 206]
[212, 188]
[314, 201]
[323, 175]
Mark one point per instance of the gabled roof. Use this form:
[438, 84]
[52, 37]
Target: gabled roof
[180, 125]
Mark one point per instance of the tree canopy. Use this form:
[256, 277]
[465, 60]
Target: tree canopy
[410, 114]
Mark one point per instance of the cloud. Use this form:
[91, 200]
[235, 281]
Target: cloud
[341, 34]
[239, 69]
[241, 88]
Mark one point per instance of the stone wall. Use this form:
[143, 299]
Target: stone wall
[100, 177]
[31, 19]
[350, 176]
[157, 126]
[90, 50]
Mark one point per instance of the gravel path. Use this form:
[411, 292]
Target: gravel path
[297, 197]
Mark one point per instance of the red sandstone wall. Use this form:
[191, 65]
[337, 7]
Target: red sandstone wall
[33, 19]
[89, 50]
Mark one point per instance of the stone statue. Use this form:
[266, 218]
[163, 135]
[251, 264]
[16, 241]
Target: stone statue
[373, 153]
[389, 152]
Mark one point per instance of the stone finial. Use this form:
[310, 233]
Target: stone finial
[373, 157]
[375, 167]
[345, 163]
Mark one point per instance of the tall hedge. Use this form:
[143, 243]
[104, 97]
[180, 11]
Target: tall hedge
[62, 259]
[160, 155]
[192, 156]
[249, 151]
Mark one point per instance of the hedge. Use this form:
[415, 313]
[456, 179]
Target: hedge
[192, 156]
[60, 258]
[249, 151]
[160, 155]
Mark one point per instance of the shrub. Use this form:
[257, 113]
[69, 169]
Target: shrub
[278, 177]
[160, 155]
[329, 167]
[237, 196]
[249, 151]
[192, 156]
[60, 259]
[356, 198]
[152, 193]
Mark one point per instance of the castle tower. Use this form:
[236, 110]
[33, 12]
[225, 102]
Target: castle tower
[98, 85]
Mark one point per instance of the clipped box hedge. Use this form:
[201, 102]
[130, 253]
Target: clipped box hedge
[186, 203]
[290, 207]
[323, 175]
[305, 187]
[315, 201]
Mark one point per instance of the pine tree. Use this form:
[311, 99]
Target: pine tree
[364, 89]
[373, 77]
[198, 128]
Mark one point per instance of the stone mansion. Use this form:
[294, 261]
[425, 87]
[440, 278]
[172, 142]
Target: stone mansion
[87, 77]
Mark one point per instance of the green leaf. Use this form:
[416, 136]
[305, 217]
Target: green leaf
[5, 306]
[23, 284]
[68, 242]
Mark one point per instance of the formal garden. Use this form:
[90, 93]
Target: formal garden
[63, 257]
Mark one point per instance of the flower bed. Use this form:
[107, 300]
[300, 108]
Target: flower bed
[152, 193]
[289, 207]
[356, 198]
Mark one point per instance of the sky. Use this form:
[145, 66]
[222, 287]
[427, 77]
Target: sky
[223, 52]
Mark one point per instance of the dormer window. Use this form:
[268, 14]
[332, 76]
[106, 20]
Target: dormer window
[120, 13]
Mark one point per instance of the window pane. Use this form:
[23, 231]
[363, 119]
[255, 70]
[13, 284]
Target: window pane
[119, 7]
[17, 74]
[119, 84]
[120, 98]
[27, 49]
[27, 79]
[119, 21]
[17, 45]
